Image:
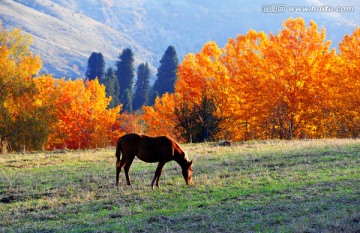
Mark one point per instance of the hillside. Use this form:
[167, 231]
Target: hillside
[66, 32]
[65, 39]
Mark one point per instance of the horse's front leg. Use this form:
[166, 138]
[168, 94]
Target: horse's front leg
[157, 175]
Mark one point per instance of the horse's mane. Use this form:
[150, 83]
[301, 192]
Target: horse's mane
[177, 145]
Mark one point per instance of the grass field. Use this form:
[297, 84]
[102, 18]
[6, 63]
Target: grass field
[256, 186]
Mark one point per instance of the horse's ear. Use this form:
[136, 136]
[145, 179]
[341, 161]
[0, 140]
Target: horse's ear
[191, 162]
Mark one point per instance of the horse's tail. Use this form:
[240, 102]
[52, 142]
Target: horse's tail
[118, 149]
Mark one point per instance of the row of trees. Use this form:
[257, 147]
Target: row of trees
[285, 85]
[38, 111]
[120, 82]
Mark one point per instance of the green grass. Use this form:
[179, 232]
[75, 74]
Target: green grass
[256, 186]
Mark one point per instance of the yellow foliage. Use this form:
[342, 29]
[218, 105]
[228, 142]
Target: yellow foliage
[285, 85]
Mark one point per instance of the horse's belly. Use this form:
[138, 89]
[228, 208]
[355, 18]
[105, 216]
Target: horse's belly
[153, 158]
[148, 159]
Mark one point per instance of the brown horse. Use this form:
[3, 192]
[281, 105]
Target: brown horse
[151, 150]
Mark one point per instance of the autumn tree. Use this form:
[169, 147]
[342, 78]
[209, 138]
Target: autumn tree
[346, 101]
[249, 91]
[22, 119]
[83, 119]
[131, 122]
[297, 61]
[159, 119]
[203, 88]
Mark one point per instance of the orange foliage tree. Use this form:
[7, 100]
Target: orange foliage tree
[131, 122]
[82, 117]
[346, 101]
[282, 80]
[243, 58]
[160, 120]
[21, 119]
[298, 61]
[203, 107]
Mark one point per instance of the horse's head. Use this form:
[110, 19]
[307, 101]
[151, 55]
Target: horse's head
[187, 172]
[186, 165]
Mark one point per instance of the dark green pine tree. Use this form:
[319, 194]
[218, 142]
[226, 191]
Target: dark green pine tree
[166, 75]
[142, 86]
[152, 96]
[96, 67]
[125, 76]
[126, 100]
[112, 87]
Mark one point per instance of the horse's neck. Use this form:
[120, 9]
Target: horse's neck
[181, 161]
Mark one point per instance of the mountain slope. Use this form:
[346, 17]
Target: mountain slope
[65, 39]
[67, 31]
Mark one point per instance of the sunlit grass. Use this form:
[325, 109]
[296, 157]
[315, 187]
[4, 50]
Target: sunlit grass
[266, 186]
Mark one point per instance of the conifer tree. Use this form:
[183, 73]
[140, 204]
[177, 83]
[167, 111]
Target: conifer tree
[112, 87]
[166, 75]
[142, 86]
[96, 67]
[125, 76]
[126, 100]
[152, 96]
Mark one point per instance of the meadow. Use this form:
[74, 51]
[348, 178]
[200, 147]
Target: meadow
[254, 186]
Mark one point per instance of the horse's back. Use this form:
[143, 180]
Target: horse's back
[155, 149]
[130, 143]
[147, 148]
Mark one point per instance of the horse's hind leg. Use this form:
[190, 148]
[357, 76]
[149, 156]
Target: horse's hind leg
[127, 168]
[119, 166]
[157, 175]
